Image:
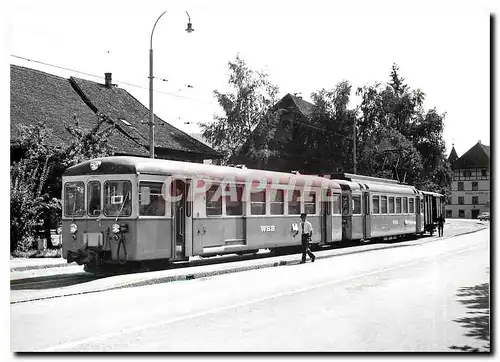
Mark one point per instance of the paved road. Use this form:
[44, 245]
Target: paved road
[405, 299]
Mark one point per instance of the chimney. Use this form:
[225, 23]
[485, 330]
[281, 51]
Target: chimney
[479, 141]
[107, 80]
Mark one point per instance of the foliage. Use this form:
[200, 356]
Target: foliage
[35, 179]
[244, 108]
[394, 127]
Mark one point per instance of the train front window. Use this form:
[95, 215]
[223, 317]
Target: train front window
[94, 198]
[74, 198]
[117, 198]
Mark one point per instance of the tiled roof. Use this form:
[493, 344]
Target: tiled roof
[304, 107]
[118, 104]
[39, 96]
[477, 156]
[36, 96]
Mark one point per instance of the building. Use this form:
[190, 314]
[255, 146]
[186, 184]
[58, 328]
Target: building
[59, 102]
[470, 186]
[294, 113]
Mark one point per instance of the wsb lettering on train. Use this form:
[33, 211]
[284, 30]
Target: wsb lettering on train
[267, 228]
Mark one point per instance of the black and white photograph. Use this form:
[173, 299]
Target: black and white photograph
[249, 176]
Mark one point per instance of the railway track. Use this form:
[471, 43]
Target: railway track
[53, 281]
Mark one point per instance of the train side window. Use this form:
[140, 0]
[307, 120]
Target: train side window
[376, 204]
[293, 202]
[398, 205]
[234, 197]
[383, 204]
[278, 204]
[214, 201]
[405, 205]
[356, 204]
[346, 210]
[391, 205]
[258, 203]
[310, 202]
[151, 200]
[421, 205]
[336, 204]
[411, 205]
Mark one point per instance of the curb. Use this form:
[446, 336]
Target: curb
[294, 260]
[40, 266]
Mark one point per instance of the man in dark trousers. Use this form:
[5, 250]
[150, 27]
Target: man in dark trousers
[305, 228]
[440, 221]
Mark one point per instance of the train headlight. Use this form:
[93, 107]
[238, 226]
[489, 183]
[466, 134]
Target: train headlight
[119, 228]
[115, 228]
[73, 228]
[59, 230]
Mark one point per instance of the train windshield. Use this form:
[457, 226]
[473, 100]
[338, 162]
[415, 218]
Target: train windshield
[117, 198]
[74, 198]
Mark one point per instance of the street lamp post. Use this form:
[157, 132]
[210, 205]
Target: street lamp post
[189, 29]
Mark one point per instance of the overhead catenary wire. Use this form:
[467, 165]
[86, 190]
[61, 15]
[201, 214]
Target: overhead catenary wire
[120, 81]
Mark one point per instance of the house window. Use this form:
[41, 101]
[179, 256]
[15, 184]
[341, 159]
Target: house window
[449, 213]
[475, 200]
[449, 200]
[376, 204]
[460, 186]
[461, 214]
[474, 186]
[460, 200]
[484, 172]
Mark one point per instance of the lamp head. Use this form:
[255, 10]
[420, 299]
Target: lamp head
[189, 28]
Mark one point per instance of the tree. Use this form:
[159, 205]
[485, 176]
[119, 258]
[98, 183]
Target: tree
[394, 127]
[36, 178]
[244, 108]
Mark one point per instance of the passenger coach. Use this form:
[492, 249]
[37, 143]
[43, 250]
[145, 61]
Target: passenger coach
[126, 209]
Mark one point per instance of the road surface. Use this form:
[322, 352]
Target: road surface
[415, 298]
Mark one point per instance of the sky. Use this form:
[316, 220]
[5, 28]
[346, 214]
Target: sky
[441, 47]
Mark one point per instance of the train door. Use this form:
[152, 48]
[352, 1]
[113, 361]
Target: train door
[418, 215]
[179, 219]
[346, 215]
[366, 216]
[326, 219]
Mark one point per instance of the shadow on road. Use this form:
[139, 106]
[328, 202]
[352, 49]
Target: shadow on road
[477, 321]
[52, 281]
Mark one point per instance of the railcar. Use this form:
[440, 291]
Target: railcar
[375, 208]
[123, 210]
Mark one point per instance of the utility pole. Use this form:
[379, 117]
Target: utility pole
[354, 144]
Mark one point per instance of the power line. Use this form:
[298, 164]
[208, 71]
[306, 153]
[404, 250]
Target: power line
[126, 83]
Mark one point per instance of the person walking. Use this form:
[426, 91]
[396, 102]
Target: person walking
[306, 230]
[440, 221]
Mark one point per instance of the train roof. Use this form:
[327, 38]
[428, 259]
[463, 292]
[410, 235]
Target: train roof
[362, 178]
[432, 193]
[139, 165]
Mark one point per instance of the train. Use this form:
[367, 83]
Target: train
[122, 210]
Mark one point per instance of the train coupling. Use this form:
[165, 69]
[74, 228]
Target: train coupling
[86, 256]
